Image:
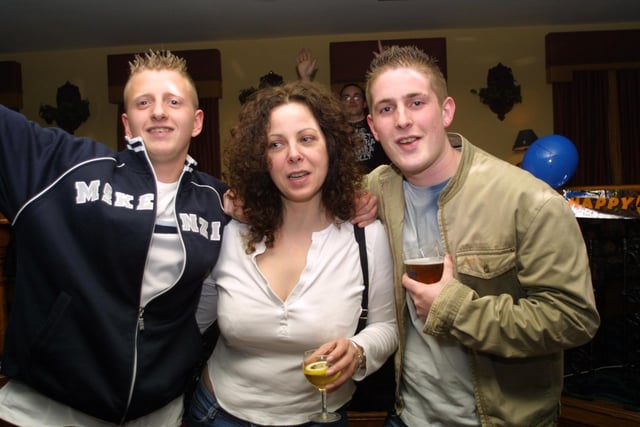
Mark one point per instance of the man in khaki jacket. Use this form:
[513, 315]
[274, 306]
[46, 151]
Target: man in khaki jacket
[484, 345]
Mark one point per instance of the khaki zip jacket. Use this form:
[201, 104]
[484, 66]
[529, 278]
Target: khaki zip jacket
[521, 292]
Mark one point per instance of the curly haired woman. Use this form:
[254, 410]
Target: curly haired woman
[289, 279]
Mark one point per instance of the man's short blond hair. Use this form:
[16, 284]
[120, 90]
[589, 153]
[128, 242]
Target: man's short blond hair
[407, 57]
[160, 60]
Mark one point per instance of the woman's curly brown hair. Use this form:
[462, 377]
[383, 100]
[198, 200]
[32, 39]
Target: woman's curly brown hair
[248, 167]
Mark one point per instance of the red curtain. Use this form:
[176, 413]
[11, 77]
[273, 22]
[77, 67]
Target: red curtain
[349, 61]
[596, 102]
[629, 106]
[580, 114]
[205, 148]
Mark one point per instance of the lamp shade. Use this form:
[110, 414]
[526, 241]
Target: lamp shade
[525, 138]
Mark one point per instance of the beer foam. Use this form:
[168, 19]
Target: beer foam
[425, 261]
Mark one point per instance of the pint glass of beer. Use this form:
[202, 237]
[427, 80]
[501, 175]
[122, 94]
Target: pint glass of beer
[425, 263]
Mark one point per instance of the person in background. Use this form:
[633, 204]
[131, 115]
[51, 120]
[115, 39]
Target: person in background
[290, 279]
[370, 153]
[483, 345]
[112, 249]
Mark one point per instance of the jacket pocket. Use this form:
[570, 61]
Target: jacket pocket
[486, 263]
[489, 271]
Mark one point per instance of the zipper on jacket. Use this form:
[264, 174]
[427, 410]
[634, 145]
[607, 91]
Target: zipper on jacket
[141, 309]
[141, 319]
[135, 363]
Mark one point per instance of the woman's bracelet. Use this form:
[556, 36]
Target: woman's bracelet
[361, 357]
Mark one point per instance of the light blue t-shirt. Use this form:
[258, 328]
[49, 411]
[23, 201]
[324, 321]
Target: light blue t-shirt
[436, 386]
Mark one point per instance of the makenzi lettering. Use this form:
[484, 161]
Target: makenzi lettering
[92, 192]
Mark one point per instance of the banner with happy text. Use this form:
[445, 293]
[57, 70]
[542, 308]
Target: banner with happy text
[607, 202]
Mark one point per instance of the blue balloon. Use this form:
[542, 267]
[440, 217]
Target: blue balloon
[552, 158]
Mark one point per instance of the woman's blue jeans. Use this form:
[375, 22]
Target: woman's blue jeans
[204, 411]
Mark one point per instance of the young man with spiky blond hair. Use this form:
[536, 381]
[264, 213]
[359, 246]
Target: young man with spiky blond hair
[111, 249]
[483, 346]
